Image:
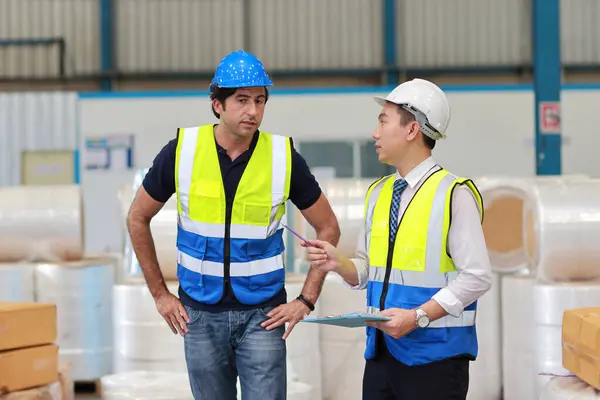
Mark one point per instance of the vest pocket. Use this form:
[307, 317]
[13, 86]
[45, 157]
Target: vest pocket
[410, 258]
[379, 229]
[206, 202]
[257, 214]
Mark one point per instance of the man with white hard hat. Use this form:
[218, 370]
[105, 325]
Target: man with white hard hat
[422, 256]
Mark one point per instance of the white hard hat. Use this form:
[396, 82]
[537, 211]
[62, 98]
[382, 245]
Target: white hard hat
[426, 101]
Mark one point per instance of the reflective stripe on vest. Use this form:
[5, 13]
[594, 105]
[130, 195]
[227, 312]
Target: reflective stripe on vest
[256, 243]
[420, 266]
[463, 320]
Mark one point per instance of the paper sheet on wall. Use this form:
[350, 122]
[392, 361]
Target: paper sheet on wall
[111, 152]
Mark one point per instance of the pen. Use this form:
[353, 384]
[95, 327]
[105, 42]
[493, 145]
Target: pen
[296, 234]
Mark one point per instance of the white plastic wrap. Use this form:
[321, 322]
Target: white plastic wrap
[562, 227]
[164, 233]
[41, 223]
[82, 292]
[16, 282]
[142, 339]
[303, 351]
[504, 199]
[519, 372]
[485, 381]
[550, 301]
[568, 388]
[300, 391]
[146, 385]
[342, 349]
[347, 199]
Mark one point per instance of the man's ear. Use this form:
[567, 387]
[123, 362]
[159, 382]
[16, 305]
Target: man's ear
[414, 130]
[218, 106]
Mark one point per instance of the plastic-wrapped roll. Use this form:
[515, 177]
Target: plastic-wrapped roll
[82, 292]
[519, 372]
[504, 199]
[550, 301]
[41, 223]
[303, 352]
[562, 227]
[342, 349]
[143, 340]
[164, 233]
[125, 197]
[568, 388]
[300, 391]
[146, 385]
[485, 380]
[16, 282]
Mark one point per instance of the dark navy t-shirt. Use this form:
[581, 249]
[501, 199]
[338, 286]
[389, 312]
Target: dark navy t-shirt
[159, 182]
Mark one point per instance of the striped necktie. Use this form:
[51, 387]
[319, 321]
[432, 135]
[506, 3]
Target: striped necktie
[399, 186]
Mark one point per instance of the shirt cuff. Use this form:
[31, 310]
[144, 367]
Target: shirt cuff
[362, 272]
[449, 302]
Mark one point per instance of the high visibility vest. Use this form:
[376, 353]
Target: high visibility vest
[252, 240]
[407, 273]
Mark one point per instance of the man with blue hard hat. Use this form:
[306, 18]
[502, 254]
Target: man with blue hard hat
[232, 182]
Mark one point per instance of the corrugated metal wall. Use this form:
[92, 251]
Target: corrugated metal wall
[177, 35]
[77, 21]
[317, 34]
[34, 121]
[192, 35]
[580, 31]
[458, 33]
[188, 35]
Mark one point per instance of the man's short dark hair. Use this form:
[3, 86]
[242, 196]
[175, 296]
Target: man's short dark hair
[407, 117]
[222, 94]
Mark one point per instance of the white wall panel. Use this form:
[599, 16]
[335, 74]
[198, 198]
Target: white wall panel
[77, 21]
[480, 137]
[177, 35]
[317, 34]
[463, 33]
[34, 121]
[489, 133]
[580, 32]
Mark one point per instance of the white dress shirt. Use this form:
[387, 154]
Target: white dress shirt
[466, 245]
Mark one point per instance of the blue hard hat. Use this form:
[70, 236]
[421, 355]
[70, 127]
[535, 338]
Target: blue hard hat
[240, 69]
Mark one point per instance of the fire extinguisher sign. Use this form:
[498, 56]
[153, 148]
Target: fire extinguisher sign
[550, 117]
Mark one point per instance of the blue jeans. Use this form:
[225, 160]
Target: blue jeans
[220, 346]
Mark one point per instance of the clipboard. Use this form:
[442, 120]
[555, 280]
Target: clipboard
[350, 320]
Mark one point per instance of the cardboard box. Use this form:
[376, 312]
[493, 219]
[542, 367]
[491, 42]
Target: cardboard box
[26, 324]
[581, 344]
[46, 392]
[28, 367]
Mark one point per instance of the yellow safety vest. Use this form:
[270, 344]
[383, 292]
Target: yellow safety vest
[407, 273]
[249, 247]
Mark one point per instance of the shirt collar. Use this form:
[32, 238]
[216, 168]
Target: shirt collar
[417, 173]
